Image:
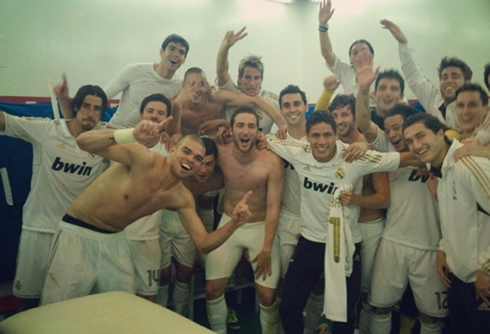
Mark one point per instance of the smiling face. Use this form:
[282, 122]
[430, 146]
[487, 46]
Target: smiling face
[174, 55]
[89, 113]
[186, 158]
[322, 141]
[293, 109]
[470, 111]
[450, 80]
[425, 144]
[244, 131]
[251, 81]
[345, 121]
[393, 131]
[155, 111]
[388, 93]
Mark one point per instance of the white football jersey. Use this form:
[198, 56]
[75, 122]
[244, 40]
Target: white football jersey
[318, 182]
[60, 169]
[413, 217]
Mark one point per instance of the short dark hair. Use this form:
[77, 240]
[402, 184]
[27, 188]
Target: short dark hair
[402, 109]
[210, 147]
[194, 70]
[343, 100]
[158, 98]
[320, 117]
[89, 90]
[455, 62]
[176, 39]
[291, 89]
[244, 110]
[251, 61]
[194, 137]
[430, 122]
[390, 74]
[474, 88]
[486, 73]
[362, 41]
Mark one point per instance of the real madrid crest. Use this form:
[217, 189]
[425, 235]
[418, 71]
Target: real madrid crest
[340, 173]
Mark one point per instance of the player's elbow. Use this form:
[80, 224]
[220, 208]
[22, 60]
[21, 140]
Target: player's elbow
[83, 141]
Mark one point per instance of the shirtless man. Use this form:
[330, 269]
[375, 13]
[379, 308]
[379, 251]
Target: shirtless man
[141, 183]
[197, 103]
[246, 167]
[176, 243]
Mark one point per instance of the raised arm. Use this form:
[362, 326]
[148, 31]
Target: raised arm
[222, 65]
[234, 99]
[275, 184]
[204, 241]
[324, 15]
[330, 84]
[62, 94]
[365, 77]
[104, 142]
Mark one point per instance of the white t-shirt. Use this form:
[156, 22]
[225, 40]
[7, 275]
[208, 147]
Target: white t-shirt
[463, 187]
[318, 182]
[60, 169]
[137, 81]
[412, 218]
[265, 122]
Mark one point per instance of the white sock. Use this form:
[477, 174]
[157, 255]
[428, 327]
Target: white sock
[365, 318]
[380, 324]
[269, 318]
[162, 295]
[217, 314]
[181, 298]
[434, 328]
[314, 308]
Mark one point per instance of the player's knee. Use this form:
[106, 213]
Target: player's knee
[184, 275]
[165, 275]
[267, 298]
[381, 311]
[212, 290]
[430, 321]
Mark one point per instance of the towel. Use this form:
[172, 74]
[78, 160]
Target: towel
[339, 252]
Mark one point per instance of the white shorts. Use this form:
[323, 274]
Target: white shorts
[371, 236]
[175, 241]
[221, 262]
[83, 261]
[395, 265]
[32, 263]
[143, 242]
[288, 233]
[146, 261]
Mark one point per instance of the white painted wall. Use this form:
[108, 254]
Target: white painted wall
[91, 40]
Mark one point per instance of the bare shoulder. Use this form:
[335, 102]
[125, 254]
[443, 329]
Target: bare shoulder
[271, 159]
[181, 198]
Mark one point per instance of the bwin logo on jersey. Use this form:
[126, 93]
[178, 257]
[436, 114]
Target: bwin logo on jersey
[321, 187]
[67, 167]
